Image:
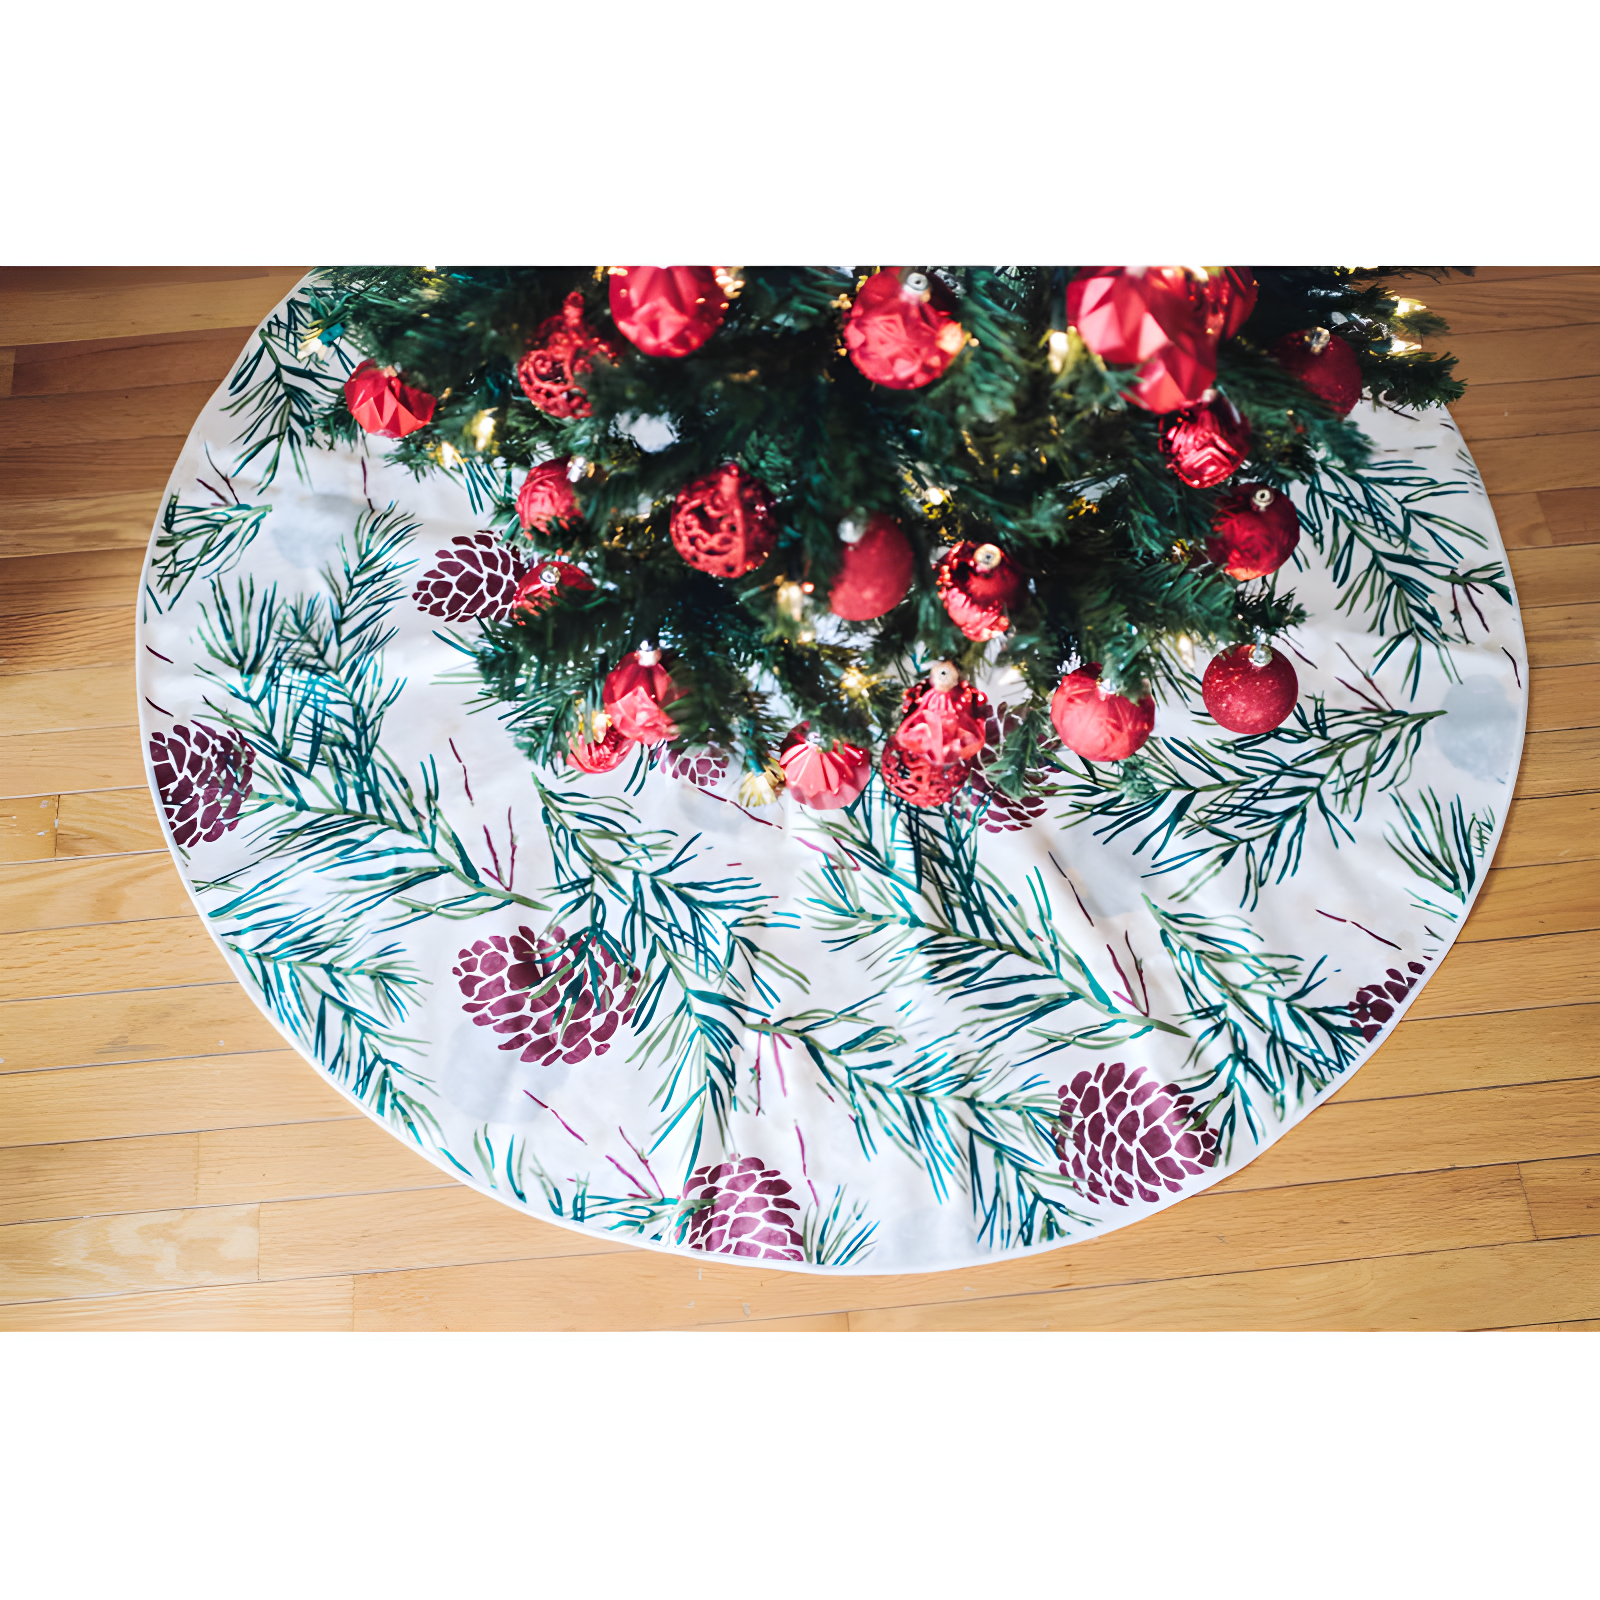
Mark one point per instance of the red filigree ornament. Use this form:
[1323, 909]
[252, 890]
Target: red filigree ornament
[546, 500]
[635, 693]
[1326, 365]
[1225, 296]
[546, 581]
[902, 330]
[1096, 725]
[668, 311]
[724, 523]
[1253, 532]
[1250, 689]
[824, 774]
[562, 352]
[979, 585]
[1205, 444]
[383, 405]
[604, 751]
[876, 572]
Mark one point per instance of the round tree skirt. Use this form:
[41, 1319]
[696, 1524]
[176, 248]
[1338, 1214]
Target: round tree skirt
[875, 1041]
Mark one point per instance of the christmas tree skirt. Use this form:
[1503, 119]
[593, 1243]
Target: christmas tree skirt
[874, 1040]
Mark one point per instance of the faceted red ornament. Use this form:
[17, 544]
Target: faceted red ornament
[1206, 444]
[826, 776]
[979, 584]
[545, 499]
[475, 578]
[635, 693]
[204, 778]
[1250, 688]
[902, 331]
[667, 311]
[552, 1003]
[1326, 365]
[544, 583]
[1226, 296]
[724, 523]
[742, 1208]
[563, 350]
[383, 405]
[1253, 532]
[876, 573]
[1123, 1135]
[603, 754]
[1179, 374]
[1096, 725]
[1126, 317]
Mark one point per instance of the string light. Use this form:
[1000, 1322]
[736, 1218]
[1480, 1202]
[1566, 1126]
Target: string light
[448, 456]
[483, 429]
[791, 599]
[1060, 344]
[854, 683]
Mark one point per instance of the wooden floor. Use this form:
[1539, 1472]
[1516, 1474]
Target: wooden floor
[166, 1163]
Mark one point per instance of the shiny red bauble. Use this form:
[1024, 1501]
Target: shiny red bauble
[902, 330]
[943, 717]
[827, 776]
[724, 523]
[602, 754]
[1205, 444]
[1253, 532]
[918, 779]
[383, 405]
[546, 500]
[667, 311]
[1325, 364]
[1125, 316]
[546, 581]
[876, 570]
[562, 351]
[979, 585]
[1096, 725]
[634, 695]
[1250, 689]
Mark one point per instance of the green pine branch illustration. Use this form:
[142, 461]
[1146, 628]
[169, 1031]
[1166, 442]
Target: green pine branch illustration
[200, 542]
[1442, 845]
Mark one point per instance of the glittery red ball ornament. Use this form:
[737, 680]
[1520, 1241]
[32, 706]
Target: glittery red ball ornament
[1126, 316]
[634, 695]
[602, 754]
[383, 405]
[563, 350]
[667, 311]
[1096, 725]
[979, 584]
[1253, 532]
[1205, 444]
[902, 331]
[875, 574]
[826, 776]
[1326, 365]
[1225, 296]
[724, 523]
[1250, 688]
[545, 582]
[545, 499]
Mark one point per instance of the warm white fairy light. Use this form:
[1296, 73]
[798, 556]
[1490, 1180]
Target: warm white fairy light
[483, 429]
[1060, 344]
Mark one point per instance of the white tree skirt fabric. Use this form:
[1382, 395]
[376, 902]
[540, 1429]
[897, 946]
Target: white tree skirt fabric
[879, 1041]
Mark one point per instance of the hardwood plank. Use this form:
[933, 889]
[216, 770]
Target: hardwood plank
[1553, 1327]
[82, 366]
[8, 363]
[28, 828]
[834, 1322]
[47, 1182]
[136, 1100]
[67, 894]
[1563, 697]
[446, 1226]
[1557, 301]
[91, 758]
[16, 279]
[1489, 1287]
[1523, 357]
[167, 953]
[116, 467]
[71, 581]
[1562, 636]
[1509, 274]
[57, 525]
[110, 821]
[1566, 575]
[102, 636]
[1559, 763]
[1572, 515]
[1517, 410]
[1561, 828]
[1520, 520]
[97, 418]
[1518, 901]
[64, 701]
[36, 315]
[1556, 969]
[1563, 1196]
[119, 1255]
[319, 1305]
[1539, 463]
[136, 1025]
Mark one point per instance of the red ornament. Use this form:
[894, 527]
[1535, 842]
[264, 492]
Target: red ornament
[1096, 725]
[875, 575]
[1226, 296]
[668, 311]
[1179, 374]
[918, 780]
[383, 405]
[1206, 444]
[1253, 532]
[545, 499]
[724, 523]
[930, 755]
[1126, 317]
[563, 350]
[603, 753]
[634, 695]
[1327, 366]
[826, 777]
[979, 584]
[1250, 688]
[902, 331]
[543, 583]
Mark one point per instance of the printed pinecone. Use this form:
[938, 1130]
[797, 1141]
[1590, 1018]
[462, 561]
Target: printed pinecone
[1001, 813]
[518, 986]
[1123, 1136]
[476, 578]
[705, 768]
[204, 778]
[742, 1208]
[1374, 1004]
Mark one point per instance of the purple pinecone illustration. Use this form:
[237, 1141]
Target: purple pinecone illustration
[1122, 1135]
[1374, 1005]
[204, 778]
[704, 768]
[476, 577]
[742, 1208]
[518, 986]
[1001, 813]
